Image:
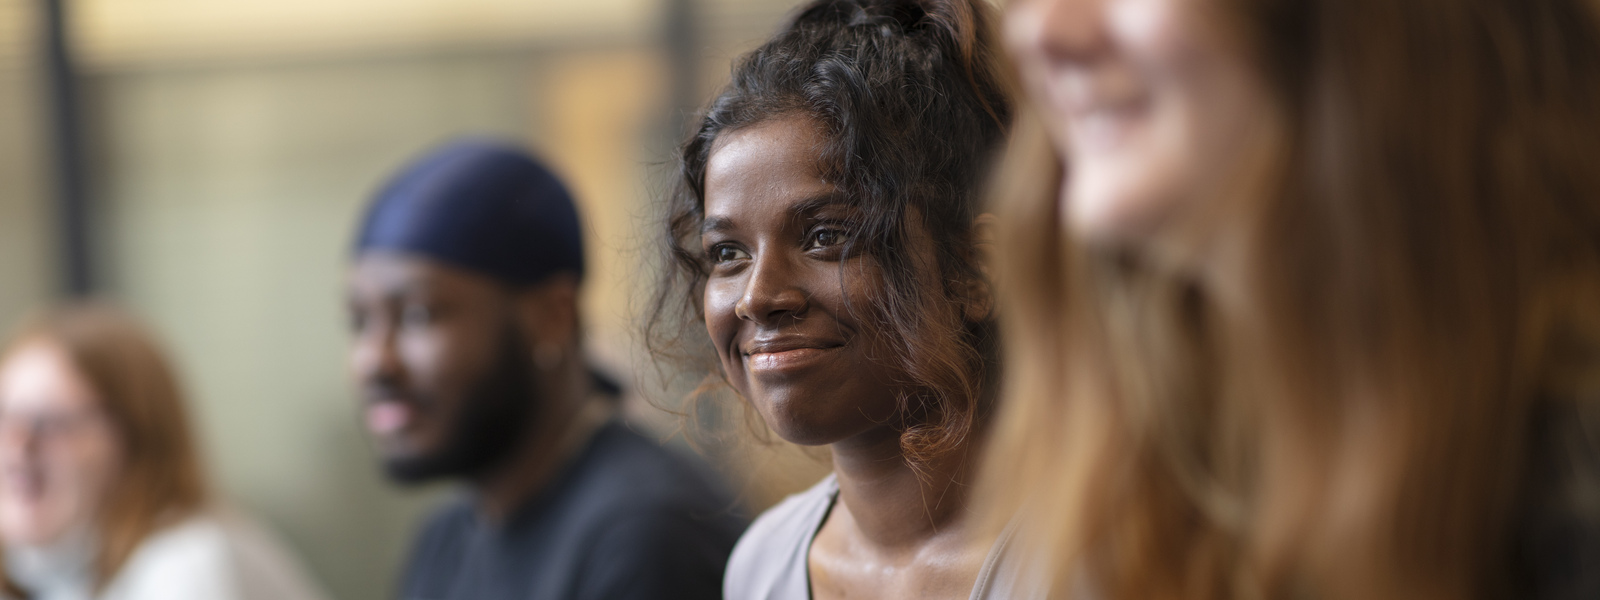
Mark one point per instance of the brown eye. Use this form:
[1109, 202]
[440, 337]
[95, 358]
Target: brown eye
[825, 237]
[722, 253]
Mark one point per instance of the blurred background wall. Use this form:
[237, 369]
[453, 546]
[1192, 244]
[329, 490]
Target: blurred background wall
[25, 231]
[231, 146]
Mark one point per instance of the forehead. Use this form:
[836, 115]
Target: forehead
[379, 273]
[38, 374]
[765, 167]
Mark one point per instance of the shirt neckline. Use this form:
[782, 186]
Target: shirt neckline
[986, 573]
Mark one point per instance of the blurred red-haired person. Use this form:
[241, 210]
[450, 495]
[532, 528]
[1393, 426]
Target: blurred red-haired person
[101, 489]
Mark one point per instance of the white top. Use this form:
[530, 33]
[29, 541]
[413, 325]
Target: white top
[770, 561]
[215, 555]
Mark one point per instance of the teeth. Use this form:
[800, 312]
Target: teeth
[1098, 88]
[1097, 128]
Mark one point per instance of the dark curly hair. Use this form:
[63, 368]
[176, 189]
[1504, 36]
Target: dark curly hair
[912, 103]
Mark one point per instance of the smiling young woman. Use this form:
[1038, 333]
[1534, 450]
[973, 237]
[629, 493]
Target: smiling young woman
[1304, 298]
[826, 231]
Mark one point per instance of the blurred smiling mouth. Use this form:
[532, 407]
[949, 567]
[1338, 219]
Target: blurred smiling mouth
[389, 416]
[1100, 105]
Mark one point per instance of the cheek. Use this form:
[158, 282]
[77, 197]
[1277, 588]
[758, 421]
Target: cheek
[96, 463]
[858, 299]
[720, 300]
[75, 476]
[440, 373]
[1157, 34]
[434, 359]
[1182, 153]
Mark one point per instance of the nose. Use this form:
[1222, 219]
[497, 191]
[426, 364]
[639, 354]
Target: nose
[1057, 30]
[771, 291]
[19, 438]
[373, 356]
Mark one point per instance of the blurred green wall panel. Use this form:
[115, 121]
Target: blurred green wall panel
[26, 252]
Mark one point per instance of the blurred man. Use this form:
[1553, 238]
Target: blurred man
[463, 294]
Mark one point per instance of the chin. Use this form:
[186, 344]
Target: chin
[808, 428]
[801, 435]
[31, 529]
[1113, 213]
[410, 469]
[795, 427]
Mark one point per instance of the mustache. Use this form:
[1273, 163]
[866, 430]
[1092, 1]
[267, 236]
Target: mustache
[390, 390]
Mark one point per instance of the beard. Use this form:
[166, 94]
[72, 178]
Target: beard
[493, 419]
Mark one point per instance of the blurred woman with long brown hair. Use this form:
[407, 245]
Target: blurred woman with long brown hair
[102, 494]
[1302, 298]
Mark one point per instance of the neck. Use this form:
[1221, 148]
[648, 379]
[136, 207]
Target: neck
[557, 431]
[66, 561]
[892, 504]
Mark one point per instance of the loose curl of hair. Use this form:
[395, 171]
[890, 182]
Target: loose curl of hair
[912, 104]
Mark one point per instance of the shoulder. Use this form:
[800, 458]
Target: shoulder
[190, 555]
[1010, 574]
[438, 546]
[657, 552]
[620, 457]
[446, 521]
[638, 520]
[774, 547]
[625, 478]
[214, 555]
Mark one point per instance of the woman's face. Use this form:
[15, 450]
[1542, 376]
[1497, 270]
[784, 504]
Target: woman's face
[1154, 109]
[784, 305]
[58, 451]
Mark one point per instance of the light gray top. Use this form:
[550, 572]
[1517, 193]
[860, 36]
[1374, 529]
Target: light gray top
[217, 554]
[769, 563]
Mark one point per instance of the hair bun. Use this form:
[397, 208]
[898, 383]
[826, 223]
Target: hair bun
[954, 18]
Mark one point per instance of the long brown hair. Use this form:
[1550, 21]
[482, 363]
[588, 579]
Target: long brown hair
[1422, 285]
[161, 480]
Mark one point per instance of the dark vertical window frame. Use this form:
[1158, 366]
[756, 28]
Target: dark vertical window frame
[73, 207]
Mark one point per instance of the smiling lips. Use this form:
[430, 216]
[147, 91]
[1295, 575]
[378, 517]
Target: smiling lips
[388, 417]
[787, 355]
[1102, 103]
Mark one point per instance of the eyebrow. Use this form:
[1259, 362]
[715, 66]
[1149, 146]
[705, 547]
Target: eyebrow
[815, 203]
[796, 212]
[716, 225]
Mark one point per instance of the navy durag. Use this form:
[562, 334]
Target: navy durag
[481, 206]
[485, 207]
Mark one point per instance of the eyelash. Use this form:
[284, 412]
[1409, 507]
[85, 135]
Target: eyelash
[812, 242]
[714, 254]
[814, 238]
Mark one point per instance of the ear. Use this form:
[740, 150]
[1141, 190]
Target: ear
[978, 304]
[547, 312]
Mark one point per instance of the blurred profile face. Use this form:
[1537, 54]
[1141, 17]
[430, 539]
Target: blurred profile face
[1154, 109]
[446, 380]
[59, 453]
[783, 302]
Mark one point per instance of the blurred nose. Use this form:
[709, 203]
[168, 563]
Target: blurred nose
[19, 439]
[373, 357]
[1057, 30]
[771, 292]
